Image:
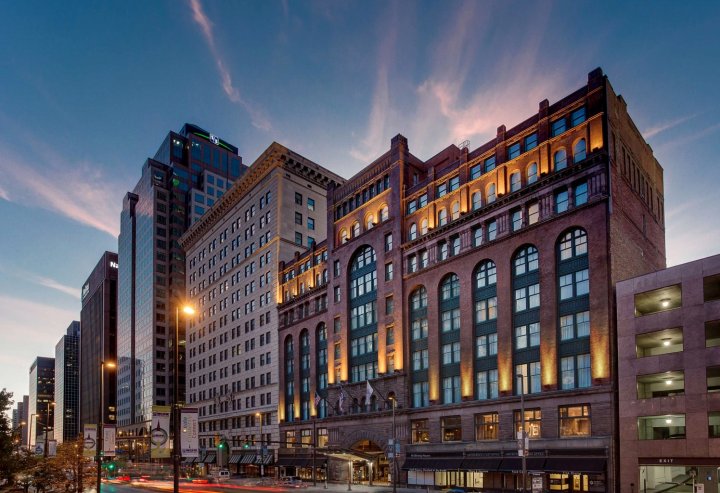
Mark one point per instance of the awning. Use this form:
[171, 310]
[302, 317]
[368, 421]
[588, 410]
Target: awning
[235, 458]
[433, 463]
[264, 460]
[509, 464]
[247, 459]
[209, 458]
[575, 464]
[189, 460]
[480, 464]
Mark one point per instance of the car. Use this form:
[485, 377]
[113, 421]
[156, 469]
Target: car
[200, 481]
[455, 489]
[124, 477]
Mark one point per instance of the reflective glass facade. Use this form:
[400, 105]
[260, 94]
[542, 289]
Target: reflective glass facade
[67, 378]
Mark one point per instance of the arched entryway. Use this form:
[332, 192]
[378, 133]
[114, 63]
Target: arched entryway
[374, 467]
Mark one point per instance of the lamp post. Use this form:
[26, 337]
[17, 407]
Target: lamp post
[394, 447]
[187, 310]
[262, 441]
[101, 422]
[522, 432]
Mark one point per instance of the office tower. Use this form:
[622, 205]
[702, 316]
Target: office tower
[41, 400]
[468, 287]
[22, 406]
[276, 211]
[190, 171]
[67, 384]
[669, 376]
[98, 340]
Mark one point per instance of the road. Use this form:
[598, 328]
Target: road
[234, 487]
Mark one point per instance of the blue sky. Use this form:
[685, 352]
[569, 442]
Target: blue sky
[89, 89]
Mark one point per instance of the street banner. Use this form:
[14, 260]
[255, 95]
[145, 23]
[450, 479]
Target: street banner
[89, 440]
[39, 448]
[160, 433]
[109, 441]
[189, 445]
[52, 448]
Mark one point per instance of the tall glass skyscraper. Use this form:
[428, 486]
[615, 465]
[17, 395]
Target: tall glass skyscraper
[67, 380]
[190, 171]
[40, 404]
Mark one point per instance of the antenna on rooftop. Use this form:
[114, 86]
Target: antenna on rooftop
[464, 144]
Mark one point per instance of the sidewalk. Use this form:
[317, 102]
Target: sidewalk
[307, 486]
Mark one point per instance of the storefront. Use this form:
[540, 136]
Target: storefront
[504, 473]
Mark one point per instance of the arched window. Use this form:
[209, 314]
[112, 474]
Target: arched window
[419, 357]
[485, 298]
[362, 304]
[442, 217]
[370, 221]
[526, 260]
[491, 193]
[532, 173]
[418, 298]
[449, 305]
[289, 354]
[356, 229]
[412, 233]
[574, 322]
[560, 160]
[343, 236]
[573, 244]
[485, 275]
[450, 288]
[304, 340]
[455, 211]
[424, 227]
[384, 213]
[476, 200]
[515, 182]
[321, 370]
[579, 151]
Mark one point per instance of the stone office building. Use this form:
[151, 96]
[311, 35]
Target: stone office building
[461, 282]
[275, 211]
[669, 378]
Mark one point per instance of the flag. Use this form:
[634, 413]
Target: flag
[317, 399]
[341, 401]
[368, 391]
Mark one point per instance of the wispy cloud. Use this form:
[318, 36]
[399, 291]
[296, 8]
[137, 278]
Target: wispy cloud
[30, 329]
[76, 190]
[4, 195]
[711, 129]
[257, 116]
[56, 285]
[653, 131]
[451, 102]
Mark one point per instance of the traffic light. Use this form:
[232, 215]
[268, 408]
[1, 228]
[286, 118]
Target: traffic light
[111, 467]
[222, 445]
[246, 444]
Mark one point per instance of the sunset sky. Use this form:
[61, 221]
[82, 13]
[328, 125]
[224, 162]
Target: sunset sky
[88, 90]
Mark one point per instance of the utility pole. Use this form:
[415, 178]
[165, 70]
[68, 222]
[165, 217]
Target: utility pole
[522, 447]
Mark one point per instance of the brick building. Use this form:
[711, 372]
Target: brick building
[669, 377]
[460, 282]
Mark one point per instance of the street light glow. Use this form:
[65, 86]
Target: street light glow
[188, 310]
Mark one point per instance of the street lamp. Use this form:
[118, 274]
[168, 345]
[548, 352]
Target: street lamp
[394, 447]
[101, 421]
[187, 310]
[262, 451]
[522, 432]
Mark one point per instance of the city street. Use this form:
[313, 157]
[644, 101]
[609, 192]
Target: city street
[245, 485]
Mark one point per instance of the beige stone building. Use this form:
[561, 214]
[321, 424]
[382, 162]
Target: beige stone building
[273, 212]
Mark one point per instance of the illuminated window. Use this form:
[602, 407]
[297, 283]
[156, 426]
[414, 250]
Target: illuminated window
[579, 151]
[487, 426]
[574, 421]
[533, 213]
[420, 431]
[515, 181]
[455, 210]
[424, 227]
[532, 173]
[533, 423]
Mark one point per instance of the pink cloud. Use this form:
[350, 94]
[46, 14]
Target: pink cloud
[257, 116]
[93, 199]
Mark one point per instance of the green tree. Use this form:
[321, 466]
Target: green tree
[74, 471]
[7, 448]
